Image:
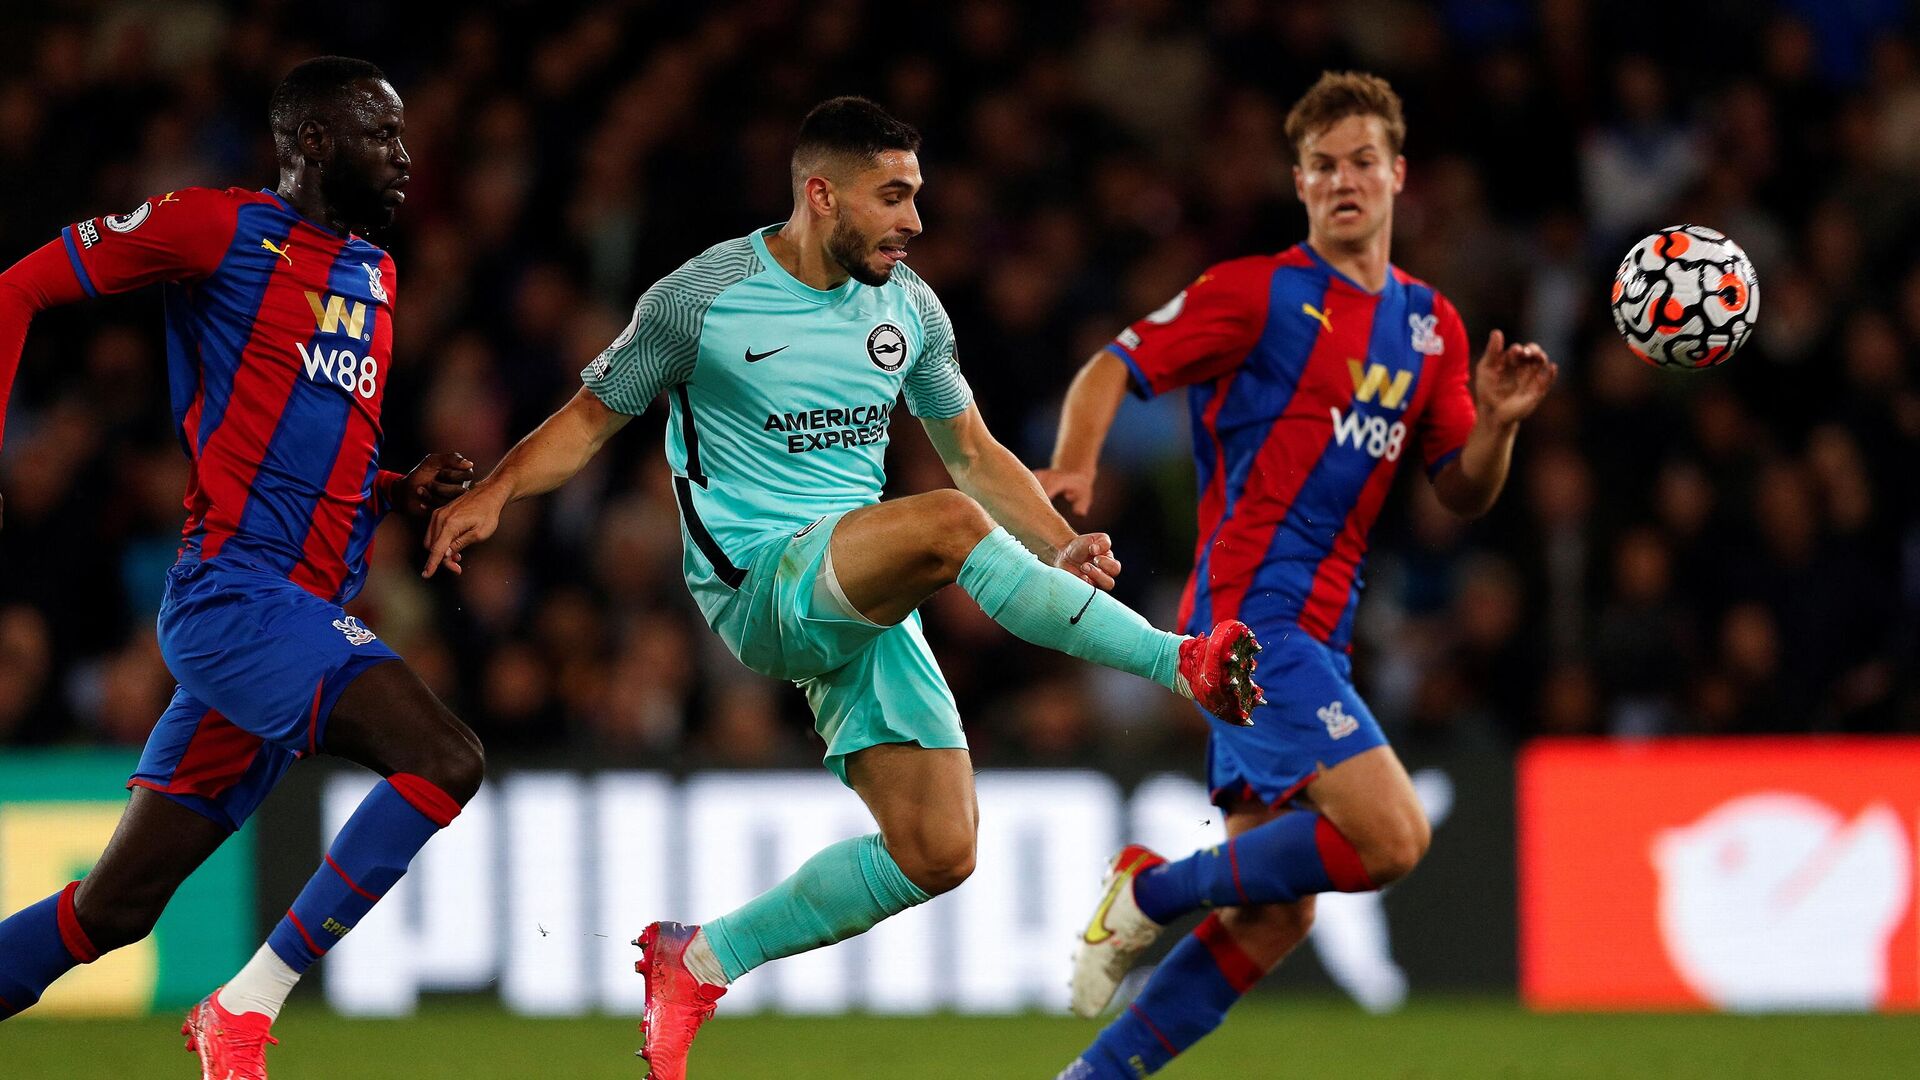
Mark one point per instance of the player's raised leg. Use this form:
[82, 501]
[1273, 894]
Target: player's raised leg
[387, 720]
[156, 845]
[890, 557]
[923, 800]
[1190, 992]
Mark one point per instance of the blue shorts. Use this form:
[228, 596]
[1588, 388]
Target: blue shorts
[260, 662]
[1313, 719]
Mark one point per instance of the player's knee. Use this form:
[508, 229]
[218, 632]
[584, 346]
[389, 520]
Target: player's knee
[956, 526]
[1394, 850]
[937, 861]
[115, 922]
[461, 767]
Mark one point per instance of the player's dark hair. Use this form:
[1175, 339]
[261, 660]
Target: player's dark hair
[315, 89]
[853, 128]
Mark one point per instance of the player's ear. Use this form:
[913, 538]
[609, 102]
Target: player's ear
[1300, 185]
[313, 140]
[1399, 173]
[820, 195]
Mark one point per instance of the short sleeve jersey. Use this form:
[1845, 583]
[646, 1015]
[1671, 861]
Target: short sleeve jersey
[1306, 389]
[780, 394]
[279, 335]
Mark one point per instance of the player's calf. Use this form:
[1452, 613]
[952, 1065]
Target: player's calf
[115, 921]
[1268, 932]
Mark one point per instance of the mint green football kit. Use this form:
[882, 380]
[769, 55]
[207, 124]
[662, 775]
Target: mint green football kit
[780, 395]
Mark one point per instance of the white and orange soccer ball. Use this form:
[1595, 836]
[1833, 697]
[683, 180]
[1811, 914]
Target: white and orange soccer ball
[1685, 297]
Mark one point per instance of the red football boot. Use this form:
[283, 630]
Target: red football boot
[677, 1002]
[232, 1046]
[1218, 668]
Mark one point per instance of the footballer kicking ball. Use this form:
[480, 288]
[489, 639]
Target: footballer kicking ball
[1685, 297]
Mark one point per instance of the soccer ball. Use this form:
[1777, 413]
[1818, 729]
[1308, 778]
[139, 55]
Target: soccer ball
[1685, 297]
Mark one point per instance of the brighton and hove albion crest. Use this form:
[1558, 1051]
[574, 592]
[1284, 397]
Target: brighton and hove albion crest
[887, 347]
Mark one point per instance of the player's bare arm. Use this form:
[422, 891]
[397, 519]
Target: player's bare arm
[551, 455]
[1085, 417]
[1508, 384]
[988, 471]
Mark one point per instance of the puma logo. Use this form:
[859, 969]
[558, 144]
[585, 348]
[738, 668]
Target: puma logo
[276, 249]
[1319, 316]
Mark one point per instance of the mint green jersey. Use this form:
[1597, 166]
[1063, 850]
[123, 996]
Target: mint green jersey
[780, 395]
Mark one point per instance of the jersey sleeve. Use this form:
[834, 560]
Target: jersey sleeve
[1201, 334]
[178, 236]
[40, 281]
[1450, 413]
[657, 350]
[934, 388]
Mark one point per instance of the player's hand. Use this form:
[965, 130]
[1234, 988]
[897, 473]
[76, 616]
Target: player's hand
[1512, 380]
[1074, 487]
[438, 480]
[459, 525]
[1089, 557]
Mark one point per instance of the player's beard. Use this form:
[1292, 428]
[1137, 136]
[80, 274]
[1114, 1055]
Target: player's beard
[848, 248]
[358, 201]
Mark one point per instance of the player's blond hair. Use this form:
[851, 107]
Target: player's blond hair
[1340, 94]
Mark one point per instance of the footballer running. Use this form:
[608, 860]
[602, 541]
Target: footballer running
[1309, 374]
[279, 348]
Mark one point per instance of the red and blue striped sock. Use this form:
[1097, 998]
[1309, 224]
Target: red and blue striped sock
[1294, 855]
[1187, 997]
[38, 945]
[367, 858]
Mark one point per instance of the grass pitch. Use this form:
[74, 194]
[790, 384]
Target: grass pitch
[1270, 1037]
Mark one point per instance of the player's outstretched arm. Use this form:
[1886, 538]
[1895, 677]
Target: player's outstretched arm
[1509, 383]
[555, 451]
[1010, 494]
[1085, 418]
[42, 280]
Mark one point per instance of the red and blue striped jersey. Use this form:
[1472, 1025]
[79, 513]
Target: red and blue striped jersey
[1305, 391]
[279, 335]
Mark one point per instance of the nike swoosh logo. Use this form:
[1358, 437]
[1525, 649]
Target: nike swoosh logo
[1097, 931]
[1075, 621]
[754, 357]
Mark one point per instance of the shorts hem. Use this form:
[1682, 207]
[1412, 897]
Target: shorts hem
[206, 806]
[836, 761]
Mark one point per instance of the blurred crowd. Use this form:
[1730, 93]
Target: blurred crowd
[1732, 551]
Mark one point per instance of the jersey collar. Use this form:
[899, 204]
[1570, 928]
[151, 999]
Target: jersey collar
[1393, 279]
[351, 238]
[793, 284]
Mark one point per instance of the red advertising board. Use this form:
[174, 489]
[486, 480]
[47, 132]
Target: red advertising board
[1737, 874]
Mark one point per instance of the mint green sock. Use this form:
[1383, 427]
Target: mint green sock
[1050, 607]
[842, 891]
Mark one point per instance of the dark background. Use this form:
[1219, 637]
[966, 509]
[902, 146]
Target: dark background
[1733, 551]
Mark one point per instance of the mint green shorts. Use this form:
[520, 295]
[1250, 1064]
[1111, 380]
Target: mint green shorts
[868, 684]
